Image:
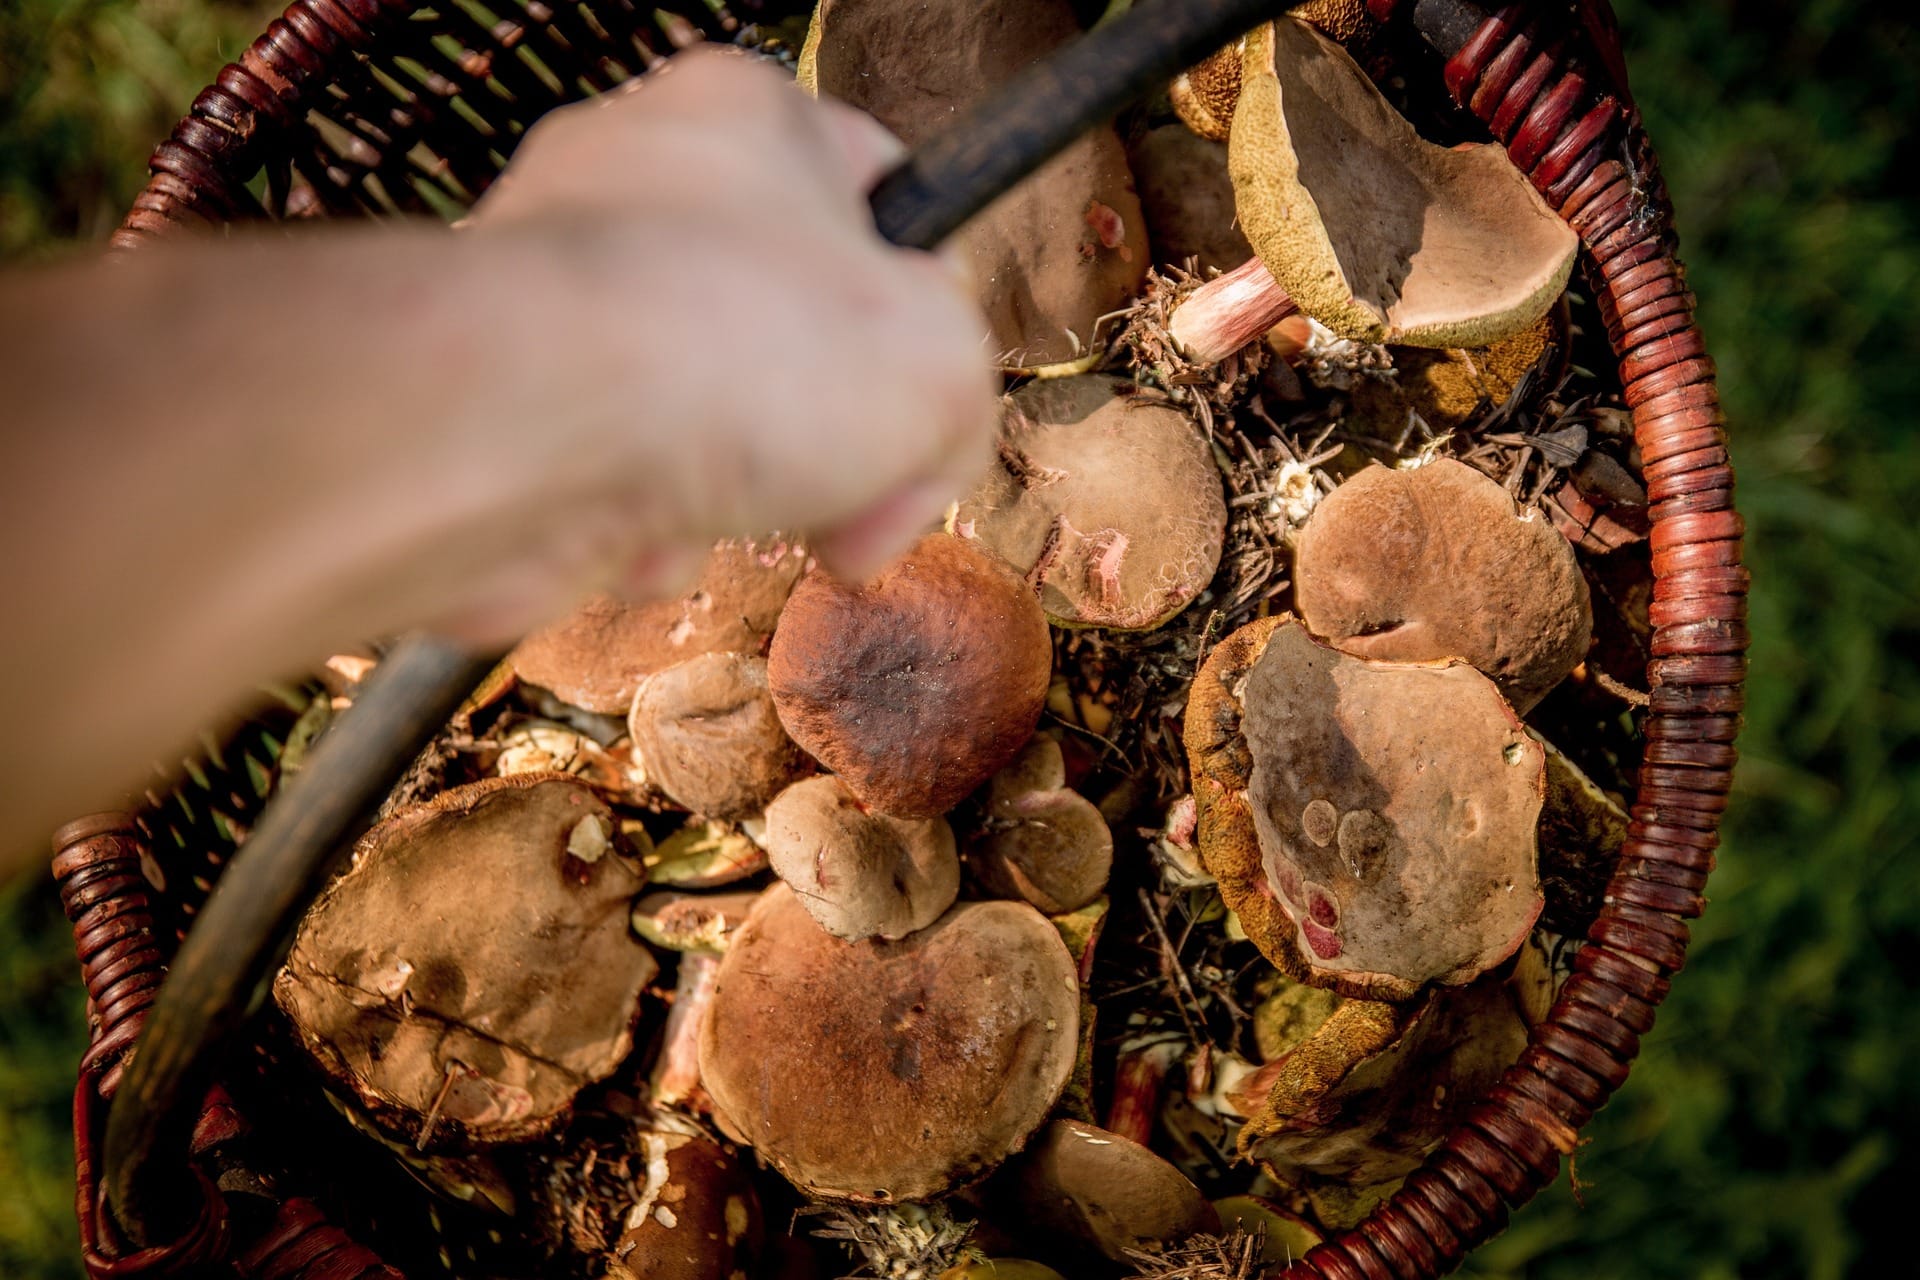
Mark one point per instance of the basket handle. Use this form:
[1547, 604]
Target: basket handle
[225, 964]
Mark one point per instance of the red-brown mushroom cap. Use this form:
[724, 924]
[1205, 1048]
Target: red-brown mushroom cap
[917, 687]
[1080, 1185]
[860, 873]
[706, 735]
[1108, 498]
[1065, 246]
[427, 978]
[887, 1071]
[696, 1217]
[1372, 823]
[1038, 840]
[596, 656]
[1439, 562]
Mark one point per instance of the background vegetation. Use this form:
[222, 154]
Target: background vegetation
[1770, 1129]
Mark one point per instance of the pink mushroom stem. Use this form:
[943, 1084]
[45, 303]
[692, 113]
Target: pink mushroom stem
[676, 1072]
[1139, 1079]
[1229, 311]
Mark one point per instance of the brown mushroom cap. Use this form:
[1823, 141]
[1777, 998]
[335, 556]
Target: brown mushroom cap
[696, 1217]
[1371, 823]
[706, 735]
[1109, 498]
[1038, 840]
[1375, 232]
[1370, 1089]
[596, 656]
[1187, 197]
[1439, 562]
[1065, 246]
[917, 687]
[1285, 1237]
[885, 1071]
[859, 873]
[427, 978]
[1084, 1185]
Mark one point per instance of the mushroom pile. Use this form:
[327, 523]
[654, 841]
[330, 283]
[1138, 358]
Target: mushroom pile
[1140, 873]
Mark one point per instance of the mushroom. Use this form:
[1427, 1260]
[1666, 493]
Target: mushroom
[542, 746]
[428, 979]
[1081, 1188]
[1038, 840]
[1360, 1092]
[917, 687]
[859, 873]
[1187, 198]
[1582, 830]
[1064, 247]
[1447, 387]
[696, 1216]
[1371, 230]
[706, 735]
[1000, 1269]
[1435, 562]
[1285, 1237]
[596, 656]
[1371, 823]
[889, 1071]
[1106, 497]
[705, 855]
[691, 921]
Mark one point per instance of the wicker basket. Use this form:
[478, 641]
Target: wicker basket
[365, 108]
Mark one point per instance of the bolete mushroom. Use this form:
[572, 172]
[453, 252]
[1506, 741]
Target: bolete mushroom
[918, 686]
[1187, 197]
[1063, 248]
[427, 980]
[1447, 387]
[1284, 1236]
[1362, 1091]
[1437, 561]
[696, 1216]
[860, 873]
[704, 854]
[1105, 496]
[1371, 823]
[705, 735]
[596, 656]
[1368, 228]
[889, 1071]
[1038, 840]
[1080, 1188]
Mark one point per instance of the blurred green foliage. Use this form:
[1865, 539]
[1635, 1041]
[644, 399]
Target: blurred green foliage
[1770, 1129]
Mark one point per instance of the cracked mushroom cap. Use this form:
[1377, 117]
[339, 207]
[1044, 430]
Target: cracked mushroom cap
[1037, 839]
[1439, 562]
[1107, 497]
[706, 735]
[429, 979]
[860, 873]
[918, 686]
[889, 1071]
[596, 656]
[1102, 1192]
[1067, 245]
[1375, 232]
[1371, 823]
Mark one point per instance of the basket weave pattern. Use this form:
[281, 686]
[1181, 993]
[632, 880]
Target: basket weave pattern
[371, 107]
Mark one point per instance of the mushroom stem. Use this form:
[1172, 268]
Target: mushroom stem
[1227, 312]
[1138, 1079]
[676, 1072]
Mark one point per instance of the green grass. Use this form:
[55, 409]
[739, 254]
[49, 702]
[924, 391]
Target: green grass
[1770, 1128]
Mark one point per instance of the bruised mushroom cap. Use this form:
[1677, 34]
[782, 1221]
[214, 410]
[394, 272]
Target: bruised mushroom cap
[1037, 839]
[888, 1071]
[859, 873]
[596, 656]
[1375, 232]
[1438, 562]
[1105, 1193]
[696, 1216]
[427, 980]
[1063, 247]
[706, 735]
[1371, 823]
[918, 686]
[1109, 499]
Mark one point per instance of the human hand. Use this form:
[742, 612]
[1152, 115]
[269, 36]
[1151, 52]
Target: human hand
[745, 352]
